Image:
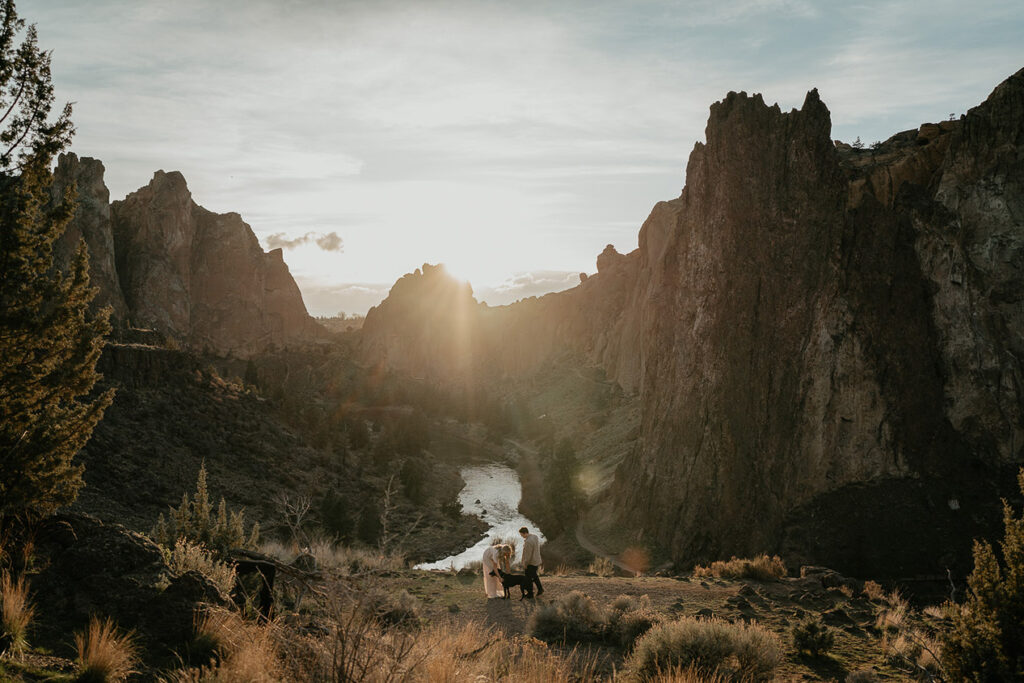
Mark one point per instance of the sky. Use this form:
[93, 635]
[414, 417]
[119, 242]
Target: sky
[511, 140]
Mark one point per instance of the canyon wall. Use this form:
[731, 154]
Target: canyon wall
[816, 334]
[162, 262]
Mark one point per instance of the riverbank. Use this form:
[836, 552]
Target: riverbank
[492, 493]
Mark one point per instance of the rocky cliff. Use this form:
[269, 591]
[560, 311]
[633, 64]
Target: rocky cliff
[163, 262]
[91, 221]
[817, 335]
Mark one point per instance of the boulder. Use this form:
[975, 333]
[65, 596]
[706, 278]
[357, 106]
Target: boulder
[92, 568]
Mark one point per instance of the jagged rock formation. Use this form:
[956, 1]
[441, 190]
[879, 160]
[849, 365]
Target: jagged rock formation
[90, 221]
[807, 323]
[162, 261]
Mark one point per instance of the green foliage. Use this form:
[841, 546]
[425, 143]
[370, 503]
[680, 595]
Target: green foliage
[410, 434]
[358, 434]
[369, 528]
[49, 344]
[986, 639]
[747, 651]
[413, 476]
[196, 521]
[452, 509]
[812, 636]
[335, 517]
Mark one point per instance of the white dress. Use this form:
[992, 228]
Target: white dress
[492, 584]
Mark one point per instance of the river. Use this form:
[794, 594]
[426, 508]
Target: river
[492, 492]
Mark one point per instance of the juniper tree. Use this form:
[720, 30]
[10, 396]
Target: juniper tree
[986, 639]
[49, 344]
[196, 521]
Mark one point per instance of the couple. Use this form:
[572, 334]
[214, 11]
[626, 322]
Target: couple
[499, 557]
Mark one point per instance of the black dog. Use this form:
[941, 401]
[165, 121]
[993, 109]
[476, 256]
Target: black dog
[510, 580]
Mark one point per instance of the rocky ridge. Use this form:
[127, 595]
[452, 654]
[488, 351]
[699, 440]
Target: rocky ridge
[163, 262]
[805, 321]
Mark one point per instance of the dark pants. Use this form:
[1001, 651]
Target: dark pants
[532, 578]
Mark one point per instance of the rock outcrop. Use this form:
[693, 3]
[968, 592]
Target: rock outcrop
[202, 277]
[106, 570]
[807, 324]
[91, 222]
[161, 261]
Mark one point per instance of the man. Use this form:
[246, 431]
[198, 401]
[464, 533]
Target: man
[531, 561]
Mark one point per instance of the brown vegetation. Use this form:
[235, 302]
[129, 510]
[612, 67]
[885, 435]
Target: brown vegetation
[761, 568]
[105, 654]
[16, 613]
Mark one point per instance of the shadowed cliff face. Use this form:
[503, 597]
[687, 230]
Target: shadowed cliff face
[161, 261]
[810, 329]
[91, 222]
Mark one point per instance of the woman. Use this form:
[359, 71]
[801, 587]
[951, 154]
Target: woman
[495, 557]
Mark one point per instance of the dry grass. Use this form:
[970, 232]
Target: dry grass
[346, 559]
[689, 674]
[906, 641]
[16, 612]
[449, 654]
[189, 556]
[104, 654]
[602, 566]
[873, 591]
[894, 616]
[761, 568]
[235, 651]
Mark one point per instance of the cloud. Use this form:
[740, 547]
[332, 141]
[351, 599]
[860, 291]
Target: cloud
[527, 284]
[329, 242]
[502, 135]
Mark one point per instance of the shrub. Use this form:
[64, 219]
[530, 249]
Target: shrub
[392, 609]
[104, 654]
[708, 646]
[873, 591]
[812, 636]
[625, 627]
[602, 566]
[761, 568]
[571, 618]
[229, 650]
[631, 603]
[188, 556]
[758, 652]
[16, 612]
[986, 639]
[908, 642]
[195, 520]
